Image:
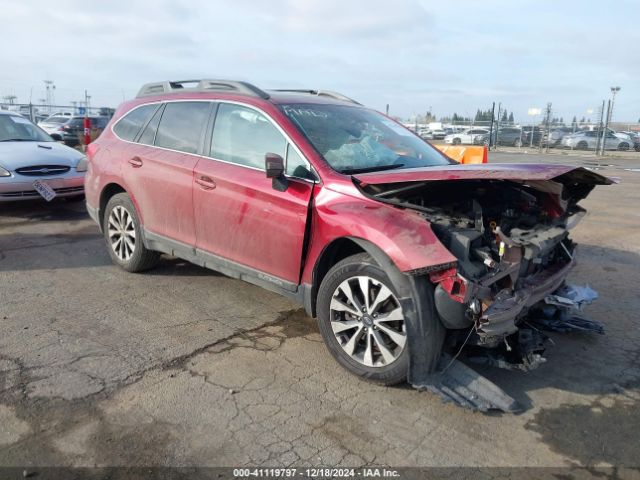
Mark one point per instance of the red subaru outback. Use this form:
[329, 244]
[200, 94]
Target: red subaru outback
[389, 243]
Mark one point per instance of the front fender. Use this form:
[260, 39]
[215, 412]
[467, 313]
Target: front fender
[403, 235]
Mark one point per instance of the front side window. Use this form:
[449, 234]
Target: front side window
[355, 139]
[129, 125]
[14, 128]
[181, 126]
[297, 166]
[244, 136]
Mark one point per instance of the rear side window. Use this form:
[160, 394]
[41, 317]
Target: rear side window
[181, 126]
[128, 126]
[244, 136]
[149, 133]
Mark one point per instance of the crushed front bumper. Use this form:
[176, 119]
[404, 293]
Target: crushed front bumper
[499, 318]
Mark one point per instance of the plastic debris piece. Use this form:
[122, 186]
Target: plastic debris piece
[467, 388]
[569, 323]
[572, 296]
[563, 310]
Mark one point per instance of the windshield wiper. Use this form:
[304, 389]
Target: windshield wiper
[17, 140]
[379, 168]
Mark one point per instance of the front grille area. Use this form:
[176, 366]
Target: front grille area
[43, 170]
[31, 193]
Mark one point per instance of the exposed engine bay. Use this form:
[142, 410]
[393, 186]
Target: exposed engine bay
[511, 241]
[508, 228]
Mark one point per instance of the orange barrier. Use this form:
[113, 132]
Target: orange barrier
[462, 154]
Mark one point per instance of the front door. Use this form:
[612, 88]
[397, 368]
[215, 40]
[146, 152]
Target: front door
[239, 215]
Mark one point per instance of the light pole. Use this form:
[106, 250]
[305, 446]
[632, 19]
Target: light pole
[614, 91]
[533, 112]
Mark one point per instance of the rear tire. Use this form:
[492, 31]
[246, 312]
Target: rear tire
[582, 145]
[123, 235]
[623, 147]
[456, 141]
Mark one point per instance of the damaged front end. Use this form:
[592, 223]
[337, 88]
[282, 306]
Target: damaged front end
[511, 240]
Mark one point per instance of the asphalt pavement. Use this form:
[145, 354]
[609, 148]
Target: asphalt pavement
[184, 366]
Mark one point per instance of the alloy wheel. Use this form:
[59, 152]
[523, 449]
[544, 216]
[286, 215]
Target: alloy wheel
[367, 321]
[122, 233]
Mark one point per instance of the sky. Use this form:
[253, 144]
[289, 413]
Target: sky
[415, 55]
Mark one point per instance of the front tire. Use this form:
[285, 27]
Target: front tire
[456, 141]
[362, 322]
[123, 235]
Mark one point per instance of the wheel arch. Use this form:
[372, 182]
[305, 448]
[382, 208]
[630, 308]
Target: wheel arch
[339, 249]
[415, 293]
[108, 191]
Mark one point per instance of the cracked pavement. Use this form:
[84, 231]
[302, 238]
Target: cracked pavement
[182, 366]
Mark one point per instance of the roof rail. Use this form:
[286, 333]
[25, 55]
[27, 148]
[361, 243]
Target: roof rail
[320, 93]
[208, 85]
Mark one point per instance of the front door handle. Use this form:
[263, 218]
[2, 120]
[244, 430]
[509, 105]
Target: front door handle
[205, 182]
[135, 162]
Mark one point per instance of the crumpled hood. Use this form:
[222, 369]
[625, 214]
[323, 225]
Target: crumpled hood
[24, 154]
[494, 171]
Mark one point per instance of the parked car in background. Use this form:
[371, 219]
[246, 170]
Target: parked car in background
[555, 136]
[73, 129]
[509, 136]
[376, 233]
[471, 136]
[423, 132]
[634, 137]
[437, 134]
[531, 136]
[588, 140]
[53, 125]
[32, 162]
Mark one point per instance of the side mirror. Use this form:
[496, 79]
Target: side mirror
[274, 167]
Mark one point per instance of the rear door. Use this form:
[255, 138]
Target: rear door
[239, 215]
[159, 168]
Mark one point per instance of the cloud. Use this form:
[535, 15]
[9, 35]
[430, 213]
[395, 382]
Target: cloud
[412, 54]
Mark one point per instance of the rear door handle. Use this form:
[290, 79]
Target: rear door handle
[205, 182]
[135, 162]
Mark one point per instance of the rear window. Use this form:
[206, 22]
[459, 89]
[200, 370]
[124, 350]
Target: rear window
[128, 126]
[181, 126]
